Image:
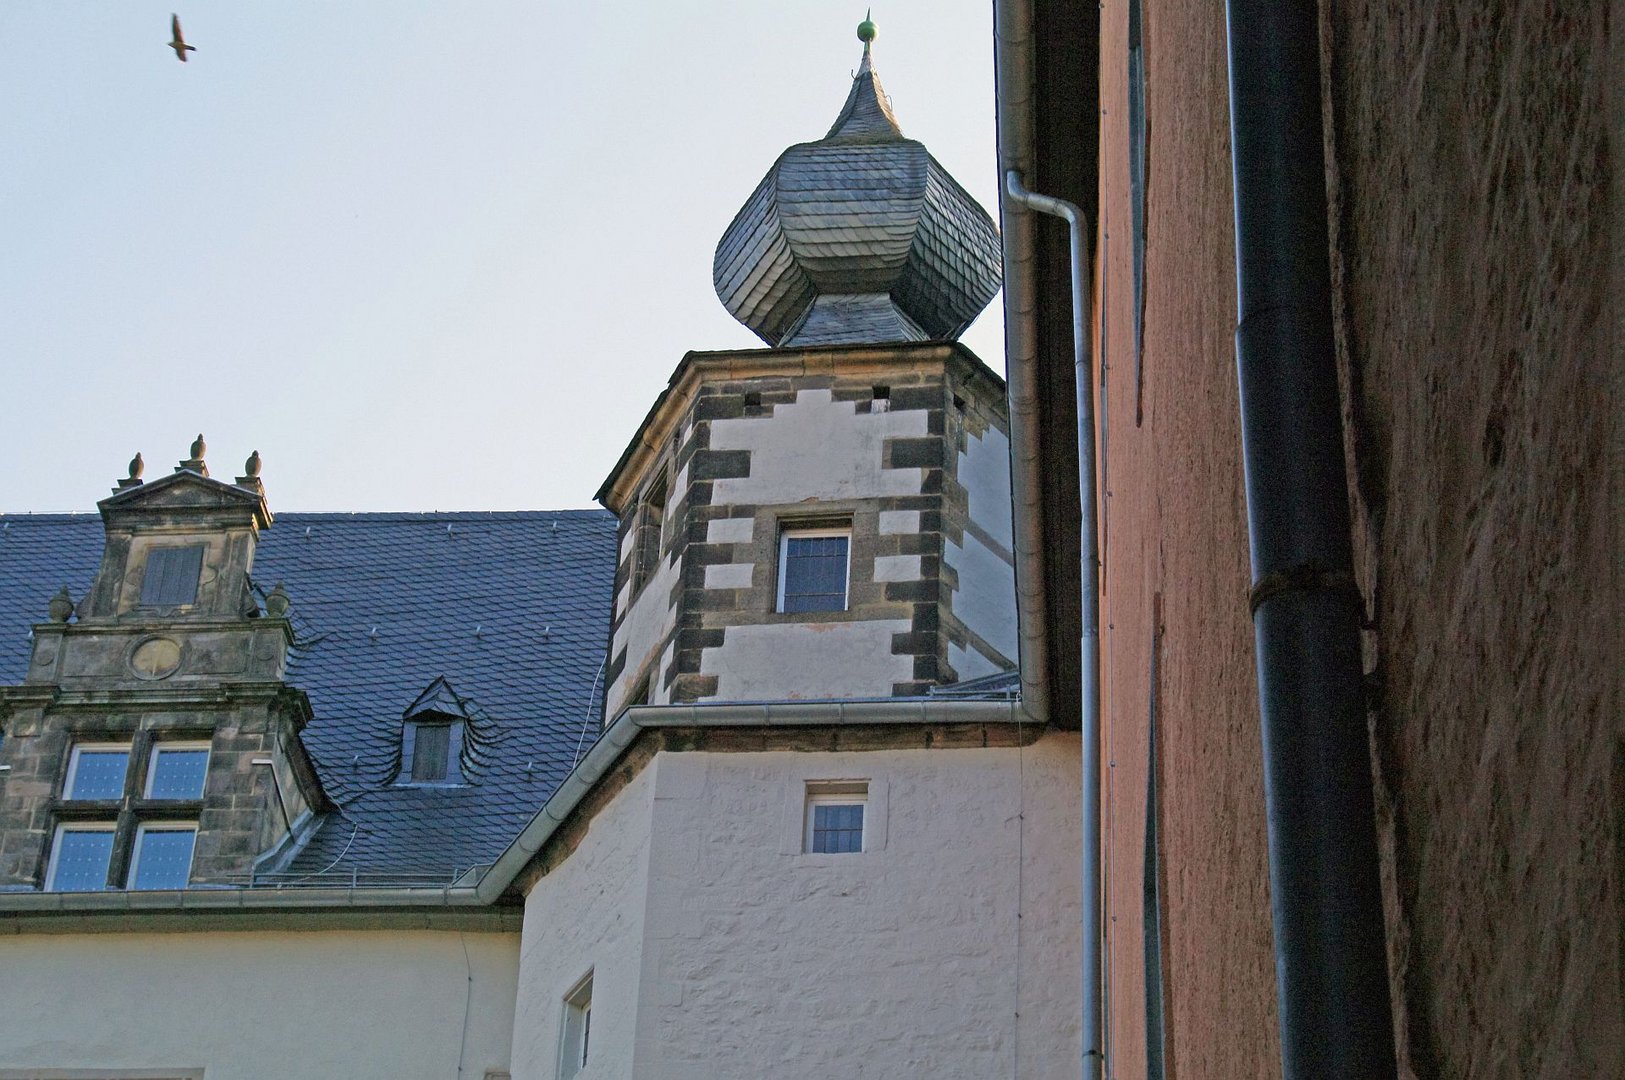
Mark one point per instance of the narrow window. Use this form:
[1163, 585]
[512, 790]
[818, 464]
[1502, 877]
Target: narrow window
[172, 576]
[650, 524]
[577, 1041]
[813, 569]
[430, 751]
[163, 855]
[880, 399]
[97, 772]
[79, 858]
[835, 814]
[177, 771]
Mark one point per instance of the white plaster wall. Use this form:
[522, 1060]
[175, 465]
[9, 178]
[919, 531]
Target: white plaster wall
[588, 915]
[847, 464]
[903, 961]
[271, 1004]
[986, 598]
[785, 661]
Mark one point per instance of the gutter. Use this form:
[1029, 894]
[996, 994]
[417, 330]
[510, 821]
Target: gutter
[1331, 961]
[1013, 47]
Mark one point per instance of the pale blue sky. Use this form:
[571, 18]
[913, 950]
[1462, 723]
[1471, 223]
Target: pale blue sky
[419, 256]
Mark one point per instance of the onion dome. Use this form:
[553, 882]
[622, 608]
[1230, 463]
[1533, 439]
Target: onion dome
[858, 238]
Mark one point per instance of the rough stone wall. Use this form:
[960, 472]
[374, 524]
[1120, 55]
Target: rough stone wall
[1479, 330]
[1175, 524]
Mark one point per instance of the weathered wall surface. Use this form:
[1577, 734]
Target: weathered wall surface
[905, 960]
[1479, 329]
[588, 914]
[388, 1005]
[1175, 524]
[720, 950]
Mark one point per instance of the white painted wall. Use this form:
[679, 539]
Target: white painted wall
[760, 961]
[588, 915]
[271, 1004]
[648, 622]
[793, 661]
[846, 465]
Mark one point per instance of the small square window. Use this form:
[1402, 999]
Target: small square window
[97, 772]
[79, 858]
[835, 814]
[163, 855]
[813, 569]
[577, 1040]
[171, 576]
[177, 771]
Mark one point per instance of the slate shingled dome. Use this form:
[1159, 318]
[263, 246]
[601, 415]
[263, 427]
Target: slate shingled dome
[858, 238]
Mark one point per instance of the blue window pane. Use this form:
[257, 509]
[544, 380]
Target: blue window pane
[815, 573]
[163, 859]
[81, 860]
[178, 774]
[99, 774]
[838, 828]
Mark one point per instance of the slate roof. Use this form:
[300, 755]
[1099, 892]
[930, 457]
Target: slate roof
[862, 211]
[511, 609]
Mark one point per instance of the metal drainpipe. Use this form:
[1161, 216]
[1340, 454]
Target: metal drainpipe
[1093, 992]
[1330, 957]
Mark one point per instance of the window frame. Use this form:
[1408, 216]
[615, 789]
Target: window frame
[81, 748]
[163, 552]
[649, 530]
[834, 793]
[64, 827]
[791, 530]
[189, 746]
[575, 1030]
[142, 829]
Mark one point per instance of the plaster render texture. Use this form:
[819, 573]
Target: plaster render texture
[388, 1005]
[984, 470]
[752, 959]
[849, 464]
[794, 661]
[986, 598]
[588, 914]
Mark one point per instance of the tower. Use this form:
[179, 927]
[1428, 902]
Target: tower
[828, 517]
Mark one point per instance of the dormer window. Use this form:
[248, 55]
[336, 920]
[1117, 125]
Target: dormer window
[171, 577]
[434, 732]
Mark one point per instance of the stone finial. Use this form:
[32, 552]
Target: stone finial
[61, 606]
[137, 467]
[276, 602]
[195, 462]
[251, 475]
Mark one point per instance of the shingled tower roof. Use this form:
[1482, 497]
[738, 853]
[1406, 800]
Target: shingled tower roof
[858, 238]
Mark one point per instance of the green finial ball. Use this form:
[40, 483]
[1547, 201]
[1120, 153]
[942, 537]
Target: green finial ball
[866, 29]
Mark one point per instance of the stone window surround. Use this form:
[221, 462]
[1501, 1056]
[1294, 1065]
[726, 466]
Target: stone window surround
[807, 778]
[125, 814]
[866, 598]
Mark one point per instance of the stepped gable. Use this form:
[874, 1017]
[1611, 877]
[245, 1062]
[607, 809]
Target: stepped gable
[858, 238]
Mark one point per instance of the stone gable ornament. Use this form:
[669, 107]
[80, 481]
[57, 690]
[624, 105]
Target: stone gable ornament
[137, 467]
[195, 462]
[276, 602]
[61, 606]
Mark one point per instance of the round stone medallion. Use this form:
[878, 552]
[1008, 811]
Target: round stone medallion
[155, 658]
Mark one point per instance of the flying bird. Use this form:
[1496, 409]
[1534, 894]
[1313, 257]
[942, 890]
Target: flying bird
[179, 44]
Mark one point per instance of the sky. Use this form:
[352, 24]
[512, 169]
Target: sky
[420, 256]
